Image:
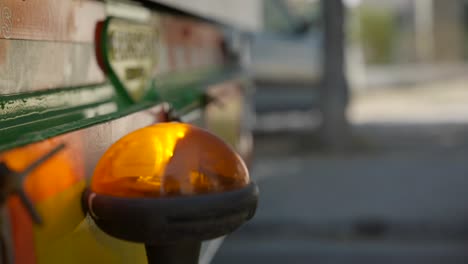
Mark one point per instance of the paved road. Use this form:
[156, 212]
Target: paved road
[400, 196]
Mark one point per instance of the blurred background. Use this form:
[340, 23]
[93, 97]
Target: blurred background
[361, 130]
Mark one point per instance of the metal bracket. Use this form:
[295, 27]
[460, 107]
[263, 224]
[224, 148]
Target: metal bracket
[11, 183]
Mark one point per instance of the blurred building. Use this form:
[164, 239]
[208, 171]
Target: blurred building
[422, 31]
[449, 30]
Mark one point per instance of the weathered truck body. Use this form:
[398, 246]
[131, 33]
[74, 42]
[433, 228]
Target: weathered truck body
[85, 73]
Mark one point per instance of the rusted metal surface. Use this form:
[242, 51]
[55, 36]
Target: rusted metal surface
[47, 44]
[54, 20]
[27, 66]
[187, 44]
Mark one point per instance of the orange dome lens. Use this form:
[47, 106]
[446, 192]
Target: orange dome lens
[168, 159]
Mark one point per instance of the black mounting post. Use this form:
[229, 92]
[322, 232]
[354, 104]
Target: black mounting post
[176, 253]
[11, 182]
[172, 228]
